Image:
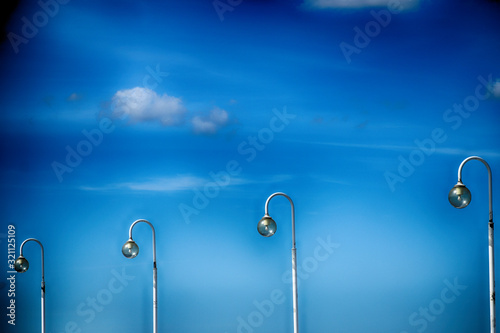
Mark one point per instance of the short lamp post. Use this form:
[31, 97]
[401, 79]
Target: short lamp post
[267, 227]
[21, 265]
[460, 197]
[130, 250]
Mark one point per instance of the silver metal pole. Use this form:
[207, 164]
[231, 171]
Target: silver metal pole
[155, 291]
[43, 277]
[492, 277]
[294, 262]
[491, 254]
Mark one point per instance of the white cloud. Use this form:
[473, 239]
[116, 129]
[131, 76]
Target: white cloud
[346, 4]
[142, 104]
[173, 184]
[209, 125]
[437, 150]
[496, 89]
[182, 183]
[161, 184]
[74, 97]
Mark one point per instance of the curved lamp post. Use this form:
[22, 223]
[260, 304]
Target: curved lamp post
[267, 227]
[21, 265]
[460, 197]
[130, 250]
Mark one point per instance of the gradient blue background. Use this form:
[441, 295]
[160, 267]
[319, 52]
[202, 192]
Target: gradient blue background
[395, 245]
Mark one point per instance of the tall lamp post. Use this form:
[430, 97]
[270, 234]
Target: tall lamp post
[130, 250]
[21, 265]
[460, 197]
[267, 227]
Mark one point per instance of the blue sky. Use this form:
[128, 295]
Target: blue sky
[191, 114]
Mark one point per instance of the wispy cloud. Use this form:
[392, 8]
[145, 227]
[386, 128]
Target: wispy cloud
[496, 89]
[165, 184]
[329, 179]
[359, 145]
[181, 183]
[74, 97]
[437, 150]
[211, 123]
[462, 152]
[350, 4]
[145, 105]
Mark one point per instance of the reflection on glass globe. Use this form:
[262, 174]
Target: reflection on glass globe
[459, 196]
[21, 265]
[130, 249]
[266, 226]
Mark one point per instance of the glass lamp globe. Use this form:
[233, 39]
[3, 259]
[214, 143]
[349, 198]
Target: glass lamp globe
[459, 196]
[21, 265]
[130, 249]
[266, 226]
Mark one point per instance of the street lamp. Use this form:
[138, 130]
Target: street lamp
[267, 227]
[460, 197]
[21, 265]
[130, 250]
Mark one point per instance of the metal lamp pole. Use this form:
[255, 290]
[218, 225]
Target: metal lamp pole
[130, 250]
[267, 227]
[21, 265]
[460, 197]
